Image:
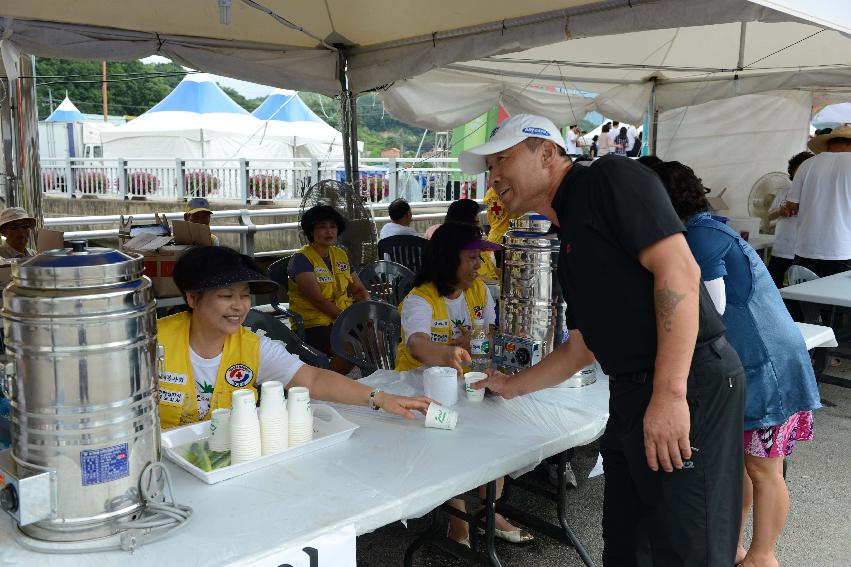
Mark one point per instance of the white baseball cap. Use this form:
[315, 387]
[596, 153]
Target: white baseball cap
[510, 133]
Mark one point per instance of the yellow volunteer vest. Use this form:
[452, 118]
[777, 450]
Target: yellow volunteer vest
[441, 327]
[333, 284]
[498, 216]
[237, 371]
[488, 268]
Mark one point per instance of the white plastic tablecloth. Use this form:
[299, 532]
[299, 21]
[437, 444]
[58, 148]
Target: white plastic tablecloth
[830, 290]
[390, 469]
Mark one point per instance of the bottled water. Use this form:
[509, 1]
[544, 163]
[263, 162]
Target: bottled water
[480, 347]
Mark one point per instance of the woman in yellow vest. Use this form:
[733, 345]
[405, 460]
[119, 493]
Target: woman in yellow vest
[321, 283]
[437, 317]
[209, 354]
[467, 211]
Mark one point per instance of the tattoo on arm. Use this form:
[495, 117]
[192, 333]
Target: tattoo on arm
[666, 303]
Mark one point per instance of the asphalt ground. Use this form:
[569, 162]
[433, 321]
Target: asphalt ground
[817, 532]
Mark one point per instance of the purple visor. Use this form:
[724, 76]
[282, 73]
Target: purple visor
[483, 245]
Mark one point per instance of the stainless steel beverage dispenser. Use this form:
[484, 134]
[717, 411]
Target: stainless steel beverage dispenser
[530, 316]
[80, 331]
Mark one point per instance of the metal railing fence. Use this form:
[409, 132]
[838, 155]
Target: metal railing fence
[264, 179]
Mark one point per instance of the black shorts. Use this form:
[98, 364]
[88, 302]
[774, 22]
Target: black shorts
[689, 517]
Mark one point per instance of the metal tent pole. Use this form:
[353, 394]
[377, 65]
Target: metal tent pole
[19, 125]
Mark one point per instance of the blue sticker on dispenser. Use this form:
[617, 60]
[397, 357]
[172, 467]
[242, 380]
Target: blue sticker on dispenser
[104, 465]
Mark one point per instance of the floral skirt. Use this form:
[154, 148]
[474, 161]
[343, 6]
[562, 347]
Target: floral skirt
[778, 440]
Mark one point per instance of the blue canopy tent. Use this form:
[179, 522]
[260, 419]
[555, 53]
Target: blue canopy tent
[66, 112]
[196, 120]
[287, 116]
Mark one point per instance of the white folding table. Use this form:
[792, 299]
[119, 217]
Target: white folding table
[390, 469]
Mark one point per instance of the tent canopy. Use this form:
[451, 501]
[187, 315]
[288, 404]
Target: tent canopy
[385, 40]
[198, 93]
[615, 74]
[66, 112]
[287, 116]
[286, 106]
[196, 120]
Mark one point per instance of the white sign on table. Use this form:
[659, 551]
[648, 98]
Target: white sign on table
[333, 549]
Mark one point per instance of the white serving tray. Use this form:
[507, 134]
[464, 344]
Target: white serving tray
[329, 428]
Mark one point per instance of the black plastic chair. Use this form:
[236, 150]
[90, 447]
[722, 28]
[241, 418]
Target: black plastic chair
[387, 281]
[278, 273]
[404, 249]
[367, 334]
[275, 329]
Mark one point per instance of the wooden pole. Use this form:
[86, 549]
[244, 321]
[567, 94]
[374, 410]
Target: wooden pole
[105, 102]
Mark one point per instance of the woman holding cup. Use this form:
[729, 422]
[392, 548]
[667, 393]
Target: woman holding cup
[209, 355]
[437, 320]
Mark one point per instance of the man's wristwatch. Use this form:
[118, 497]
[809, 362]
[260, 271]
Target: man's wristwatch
[372, 404]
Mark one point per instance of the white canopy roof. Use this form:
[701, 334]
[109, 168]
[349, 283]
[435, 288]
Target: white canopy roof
[386, 40]
[744, 58]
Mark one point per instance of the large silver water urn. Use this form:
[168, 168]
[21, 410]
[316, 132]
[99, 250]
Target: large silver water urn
[80, 332]
[531, 322]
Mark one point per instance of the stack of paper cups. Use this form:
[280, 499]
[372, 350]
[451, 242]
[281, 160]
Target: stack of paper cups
[244, 428]
[273, 418]
[300, 416]
[220, 430]
[441, 385]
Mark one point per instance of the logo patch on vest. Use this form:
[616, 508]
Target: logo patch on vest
[174, 378]
[239, 375]
[342, 266]
[169, 397]
[479, 311]
[439, 338]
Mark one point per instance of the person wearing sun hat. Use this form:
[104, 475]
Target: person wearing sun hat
[321, 283]
[209, 354]
[821, 198]
[635, 302]
[198, 210]
[16, 227]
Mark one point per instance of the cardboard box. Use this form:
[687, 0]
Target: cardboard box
[49, 239]
[193, 233]
[159, 260]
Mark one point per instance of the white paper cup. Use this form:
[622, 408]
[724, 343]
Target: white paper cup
[440, 417]
[471, 378]
[441, 385]
[243, 400]
[220, 430]
[300, 416]
[272, 398]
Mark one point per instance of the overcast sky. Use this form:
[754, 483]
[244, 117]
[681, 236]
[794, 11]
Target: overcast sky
[246, 89]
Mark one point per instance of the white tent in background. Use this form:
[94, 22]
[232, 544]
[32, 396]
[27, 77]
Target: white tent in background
[287, 116]
[196, 120]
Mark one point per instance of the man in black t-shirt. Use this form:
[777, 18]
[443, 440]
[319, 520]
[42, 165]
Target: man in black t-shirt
[672, 450]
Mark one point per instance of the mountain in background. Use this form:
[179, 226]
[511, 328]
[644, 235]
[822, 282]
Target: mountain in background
[134, 87]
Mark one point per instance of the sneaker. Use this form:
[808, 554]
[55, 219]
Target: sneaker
[569, 477]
